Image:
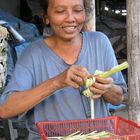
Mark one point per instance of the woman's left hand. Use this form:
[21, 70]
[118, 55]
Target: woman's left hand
[101, 86]
[105, 87]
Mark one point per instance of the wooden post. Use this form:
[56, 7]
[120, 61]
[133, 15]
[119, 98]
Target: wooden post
[133, 54]
[90, 24]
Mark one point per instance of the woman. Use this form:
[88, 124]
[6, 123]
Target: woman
[48, 77]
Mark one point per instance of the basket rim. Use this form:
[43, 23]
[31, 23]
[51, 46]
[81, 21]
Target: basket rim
[116, 118]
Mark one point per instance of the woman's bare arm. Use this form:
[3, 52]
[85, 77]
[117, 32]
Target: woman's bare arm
[19, 102]
[114, 96]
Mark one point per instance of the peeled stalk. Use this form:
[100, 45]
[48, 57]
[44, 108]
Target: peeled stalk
[89, 136]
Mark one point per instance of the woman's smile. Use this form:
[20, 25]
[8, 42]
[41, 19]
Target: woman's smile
[69, 29]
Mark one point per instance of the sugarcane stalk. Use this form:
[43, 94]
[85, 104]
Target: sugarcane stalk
[106, 74]
[115, 69]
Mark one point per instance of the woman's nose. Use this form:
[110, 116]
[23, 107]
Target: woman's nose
[70, 16]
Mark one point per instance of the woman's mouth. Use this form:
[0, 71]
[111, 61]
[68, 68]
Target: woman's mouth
[69, 29]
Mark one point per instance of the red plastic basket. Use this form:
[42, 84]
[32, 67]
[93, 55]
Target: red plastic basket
[125, 129]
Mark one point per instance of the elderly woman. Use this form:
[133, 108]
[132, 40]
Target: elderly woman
[49, 75]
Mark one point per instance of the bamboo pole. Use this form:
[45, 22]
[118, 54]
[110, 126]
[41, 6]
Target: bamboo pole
[133, 55]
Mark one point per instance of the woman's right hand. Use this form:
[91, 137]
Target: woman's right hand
[74, 76]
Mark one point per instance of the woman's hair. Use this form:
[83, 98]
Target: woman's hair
[44, 5]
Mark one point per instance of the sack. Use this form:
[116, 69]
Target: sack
[3, 55]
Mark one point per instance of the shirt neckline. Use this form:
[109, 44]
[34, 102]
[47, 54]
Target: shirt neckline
[54, 57]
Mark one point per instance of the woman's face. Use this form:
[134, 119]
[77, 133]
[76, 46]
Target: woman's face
[66, 17]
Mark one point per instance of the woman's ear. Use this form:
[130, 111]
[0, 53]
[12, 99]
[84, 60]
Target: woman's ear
[45, 19]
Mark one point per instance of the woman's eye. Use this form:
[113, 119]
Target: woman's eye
[59, 11]
[79, 10]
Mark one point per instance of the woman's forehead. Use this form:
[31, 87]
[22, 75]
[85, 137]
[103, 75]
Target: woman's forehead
[59, 2]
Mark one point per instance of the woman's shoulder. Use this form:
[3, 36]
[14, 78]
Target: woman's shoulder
[97, 37]
[96, 34]
[33, 47]
[35, 44]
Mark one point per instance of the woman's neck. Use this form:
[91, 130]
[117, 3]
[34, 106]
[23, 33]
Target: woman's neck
[68, 50]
